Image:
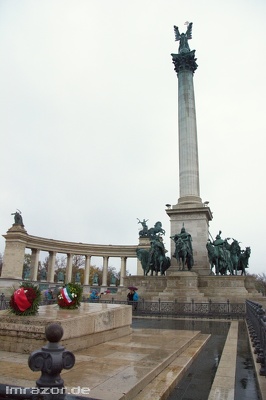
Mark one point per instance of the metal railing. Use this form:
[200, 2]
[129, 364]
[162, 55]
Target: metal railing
[256, 322]
[182, 309]
[162, 308]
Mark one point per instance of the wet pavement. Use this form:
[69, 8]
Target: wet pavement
[198, 380]
[246, 383]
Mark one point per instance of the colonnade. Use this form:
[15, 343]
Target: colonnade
[18, 240]
[35, 253]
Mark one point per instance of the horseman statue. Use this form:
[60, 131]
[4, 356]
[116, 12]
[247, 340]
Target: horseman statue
[154, 260]
[226, 257]
[183, 249]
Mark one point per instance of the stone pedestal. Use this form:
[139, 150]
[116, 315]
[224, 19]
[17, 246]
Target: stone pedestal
[16, 239]
[91, 324]
[182, 286]
[195, 218]
[223, 288]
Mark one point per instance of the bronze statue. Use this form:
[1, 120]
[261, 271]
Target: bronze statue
[18, 218]
[151, 233]
[43, 274]
[143, 257]
[183, 38]
[155, 232]
[183, 249]
[154, 260]
[60, 276]
[227, 257]
[144, 231]
[158, 262]
[95, 280]
[243, 260]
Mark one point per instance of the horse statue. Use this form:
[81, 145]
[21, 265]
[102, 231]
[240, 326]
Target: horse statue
[213, 255]
[183, 254]
[157, 229]
[143, 257]
[154, 260]
[243, 260]
[220, 257]
[158, 262]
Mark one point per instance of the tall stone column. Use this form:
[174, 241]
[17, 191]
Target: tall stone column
[87, 270]
[123, 270]
[51, 265]
[34, 263]
[69, 268]
[189, 211]
[105, 270]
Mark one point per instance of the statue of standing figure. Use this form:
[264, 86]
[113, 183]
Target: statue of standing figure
[18, 218]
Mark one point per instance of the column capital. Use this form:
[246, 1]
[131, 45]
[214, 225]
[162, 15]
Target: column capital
[185, 62]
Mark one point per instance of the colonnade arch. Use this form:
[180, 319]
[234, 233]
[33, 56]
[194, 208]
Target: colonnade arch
[18, 240]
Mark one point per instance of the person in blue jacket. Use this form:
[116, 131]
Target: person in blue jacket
[94, 295]
[135, 299]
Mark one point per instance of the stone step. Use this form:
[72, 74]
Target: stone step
[164, 383]
[155, 351]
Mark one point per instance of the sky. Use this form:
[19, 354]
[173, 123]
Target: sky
[88, 117]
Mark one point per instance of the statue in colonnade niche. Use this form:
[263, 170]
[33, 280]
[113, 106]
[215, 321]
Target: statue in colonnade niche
[183, 249]
[60, 276]
[95, 280]
[43, 274]
[26, 273]
[77, 277]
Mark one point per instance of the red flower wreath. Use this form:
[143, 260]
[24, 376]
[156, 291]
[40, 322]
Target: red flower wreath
[25, 300]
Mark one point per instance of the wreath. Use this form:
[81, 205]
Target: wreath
[70, 296]
[25, 300]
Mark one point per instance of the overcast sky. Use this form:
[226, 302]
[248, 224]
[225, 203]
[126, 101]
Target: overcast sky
[88, 117]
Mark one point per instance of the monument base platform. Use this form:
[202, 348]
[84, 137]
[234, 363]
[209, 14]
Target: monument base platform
[185, 286]
[91, 324]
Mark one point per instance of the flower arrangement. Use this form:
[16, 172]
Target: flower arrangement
[70, 296]
[25, 300]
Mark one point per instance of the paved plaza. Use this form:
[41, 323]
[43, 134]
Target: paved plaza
[149, 364]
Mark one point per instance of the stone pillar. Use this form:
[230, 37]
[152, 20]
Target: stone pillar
[189, 209]
[69, 268]
[87, 270]
[51, 265]
[34, 264]
[196, 222]
[16, 239]
[123, 270]
[189, 189]
[105, 270]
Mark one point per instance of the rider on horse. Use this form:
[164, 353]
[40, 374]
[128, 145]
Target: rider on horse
[186, 238]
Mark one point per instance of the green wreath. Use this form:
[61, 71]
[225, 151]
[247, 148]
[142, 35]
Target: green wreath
[25, 300]
[70, 296]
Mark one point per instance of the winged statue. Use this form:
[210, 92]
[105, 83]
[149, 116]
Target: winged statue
[183, 38]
